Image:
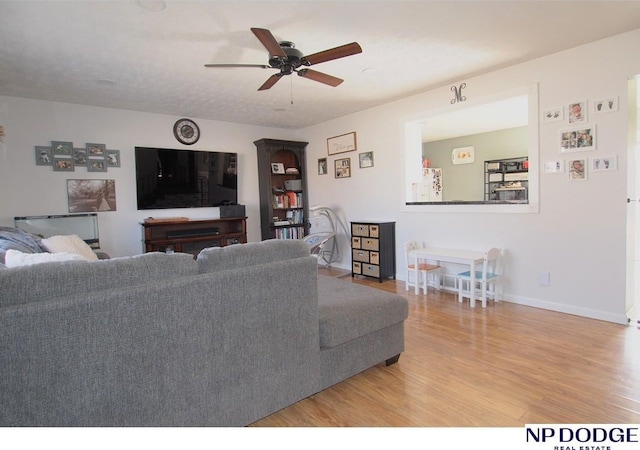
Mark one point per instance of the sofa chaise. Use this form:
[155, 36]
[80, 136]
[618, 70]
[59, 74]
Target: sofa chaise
[168, 340]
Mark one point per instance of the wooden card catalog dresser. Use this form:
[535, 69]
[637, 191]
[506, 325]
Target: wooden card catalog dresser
[373, 249]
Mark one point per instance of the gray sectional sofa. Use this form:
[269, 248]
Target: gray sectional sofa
[165, 340]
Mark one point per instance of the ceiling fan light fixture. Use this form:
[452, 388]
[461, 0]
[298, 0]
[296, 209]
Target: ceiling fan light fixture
[286, 69]
[287, 59]
[293, 57]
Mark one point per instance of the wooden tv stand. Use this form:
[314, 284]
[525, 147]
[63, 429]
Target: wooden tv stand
[183, 235]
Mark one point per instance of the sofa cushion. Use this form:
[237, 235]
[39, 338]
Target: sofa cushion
[69, 244]
[15, 258]
[58, 279]
[348, 311]
[244, 255]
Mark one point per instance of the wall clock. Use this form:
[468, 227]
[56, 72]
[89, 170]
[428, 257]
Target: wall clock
[186, 131]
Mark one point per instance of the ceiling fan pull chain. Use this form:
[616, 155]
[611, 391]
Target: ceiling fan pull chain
[291, 79]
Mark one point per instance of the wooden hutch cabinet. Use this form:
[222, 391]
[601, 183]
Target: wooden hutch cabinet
[190, 236]
[373, 249]
[282, 181]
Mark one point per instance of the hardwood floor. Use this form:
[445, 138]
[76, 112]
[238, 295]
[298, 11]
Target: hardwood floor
[503, 366]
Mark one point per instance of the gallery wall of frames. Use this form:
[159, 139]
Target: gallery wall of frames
[64, 157]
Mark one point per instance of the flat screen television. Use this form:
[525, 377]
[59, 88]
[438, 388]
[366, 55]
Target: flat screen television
[172, 178]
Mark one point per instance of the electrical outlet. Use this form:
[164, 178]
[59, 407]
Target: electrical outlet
[544, 278]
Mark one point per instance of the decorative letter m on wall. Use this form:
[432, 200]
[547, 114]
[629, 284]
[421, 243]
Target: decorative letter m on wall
[457, 93]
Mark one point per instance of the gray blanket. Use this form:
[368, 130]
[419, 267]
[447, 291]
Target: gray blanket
[13, 238]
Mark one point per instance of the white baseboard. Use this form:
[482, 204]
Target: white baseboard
[621, 319]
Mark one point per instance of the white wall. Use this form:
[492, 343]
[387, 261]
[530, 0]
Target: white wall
[27, 189]
[578, 234]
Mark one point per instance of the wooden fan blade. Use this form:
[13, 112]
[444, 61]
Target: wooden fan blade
[259, 66]
[269, 42]
[273, 79]
[331, 54]
[321, 77]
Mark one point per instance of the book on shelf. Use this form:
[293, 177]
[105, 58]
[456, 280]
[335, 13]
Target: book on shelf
[287, 200]
[295, 216]
[290, 233]
[293, 199]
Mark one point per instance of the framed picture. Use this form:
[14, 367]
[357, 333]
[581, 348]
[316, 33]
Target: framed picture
[578, 112]
[553, 114]
[277, 168]
[554, 167]
[63, 164]
[96, 165]
[578, 139]
[341, 144]
[113, 158]
[96, 150]
[91, 195]
[43, 156]
[577, 169]
[605, 105]
[604, 163]
[366, 160]
[463, 155]
[59, 148]
[80, 156]
[322, 166]
[343, 167]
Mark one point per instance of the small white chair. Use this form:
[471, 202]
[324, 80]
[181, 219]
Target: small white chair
[424, 269]
[487, 279]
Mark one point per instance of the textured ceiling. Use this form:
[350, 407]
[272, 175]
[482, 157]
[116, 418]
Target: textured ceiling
[123, 54]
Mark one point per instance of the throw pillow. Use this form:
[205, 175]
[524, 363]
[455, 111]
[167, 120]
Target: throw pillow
[69, 244]
[15, 258]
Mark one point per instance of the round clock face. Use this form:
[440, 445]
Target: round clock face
[186, 131]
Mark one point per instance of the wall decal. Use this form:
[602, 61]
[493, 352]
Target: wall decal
[457, 93]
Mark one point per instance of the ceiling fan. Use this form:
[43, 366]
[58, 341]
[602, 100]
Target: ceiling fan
[287, 59]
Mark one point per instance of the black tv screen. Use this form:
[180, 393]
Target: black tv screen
[172, 178]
